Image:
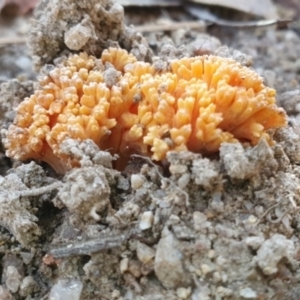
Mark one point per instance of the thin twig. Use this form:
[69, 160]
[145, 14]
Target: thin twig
[171, 26]
[91, 246]
[278, 220]
[38, 191]
[207, 16]
[251, 24]
[266, 212]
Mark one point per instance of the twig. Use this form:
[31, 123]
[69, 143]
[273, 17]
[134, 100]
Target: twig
[266, 212]
[278, 220]
[170, 26]
[251, 24]
[38, 191]
[207, 16]
[91, 246]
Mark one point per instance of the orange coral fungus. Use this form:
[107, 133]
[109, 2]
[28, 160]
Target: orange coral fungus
[121, 103]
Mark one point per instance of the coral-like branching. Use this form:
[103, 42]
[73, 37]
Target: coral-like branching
[126, 106]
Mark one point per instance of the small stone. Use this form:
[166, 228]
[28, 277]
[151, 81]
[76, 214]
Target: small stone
[216, 203]
[201, 293]
[221, 261]
[13, 279]
[134, 267]
[205, 269]
[248, 293]
[27, 286]
[183, 293]
[178, 169]
[27, 257]
[146, 269]
[77, 37]
[137, 181]
[146, 220]
[124, 265]
[144, 253]
[216, 277]
[5, 294]
[211, 253]
[251, 219]
[199, 219]
[66, 289]
[168, 265]
[272, 251]
[223, 291]
[183, 180]
[115, 294]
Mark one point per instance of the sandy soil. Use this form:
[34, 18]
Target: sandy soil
[225, 227]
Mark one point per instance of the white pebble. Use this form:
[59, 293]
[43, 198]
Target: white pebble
[272, 251]
[248, 293]
[144, 252]
[77, 37]
[178, 169]
[124, 265]
[137, 181]
[13, 279]
[184, 180]
[205, 269]
[183, 293]
[199, 218]
[168, 264]
[146, 220]
[66, 289]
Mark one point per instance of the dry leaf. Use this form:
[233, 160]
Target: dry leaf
[265, 8]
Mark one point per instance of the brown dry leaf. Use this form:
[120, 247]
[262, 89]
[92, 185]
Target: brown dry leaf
[23, 6]
[265, 8]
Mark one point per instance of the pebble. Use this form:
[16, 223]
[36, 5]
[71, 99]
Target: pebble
[183, 293]
[168, 264]
[146, 220]
[199, 218]
[27, 286]
[66, 289]
[248, 293]
[178, 169]
[77, 37]
[183, 180]
[272, 251]
[27, 257]
[134, 267]
[205, 269]
[144, 253]
[5, 294]
[13, 279]
[223, 291]
[137, 181]
[124, 265]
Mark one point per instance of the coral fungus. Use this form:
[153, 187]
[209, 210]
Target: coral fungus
[125, 105]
